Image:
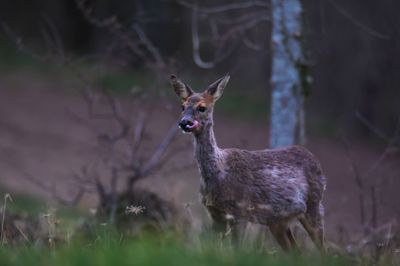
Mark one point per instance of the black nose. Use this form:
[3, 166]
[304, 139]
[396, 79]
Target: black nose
[185, 124]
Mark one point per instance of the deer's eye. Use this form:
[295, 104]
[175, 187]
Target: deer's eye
[183, 108]
[201, 109]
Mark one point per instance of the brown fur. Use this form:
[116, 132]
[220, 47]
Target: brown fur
[270, 187]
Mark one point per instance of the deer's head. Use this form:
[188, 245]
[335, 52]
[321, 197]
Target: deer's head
[197, 108]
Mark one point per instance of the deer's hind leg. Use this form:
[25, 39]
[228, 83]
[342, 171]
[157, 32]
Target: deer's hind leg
[313, 223]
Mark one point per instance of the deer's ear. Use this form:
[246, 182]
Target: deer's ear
[181, 89]
[217, 88]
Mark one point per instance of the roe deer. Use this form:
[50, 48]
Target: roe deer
[269, 187]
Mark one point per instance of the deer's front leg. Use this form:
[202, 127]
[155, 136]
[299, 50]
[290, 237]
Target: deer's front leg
[218, 222]
[237, 233]
[227, 227]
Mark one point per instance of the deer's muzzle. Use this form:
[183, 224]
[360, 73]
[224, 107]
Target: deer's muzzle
[188, 125]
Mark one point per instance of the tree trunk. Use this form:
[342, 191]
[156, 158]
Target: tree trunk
[289, 74]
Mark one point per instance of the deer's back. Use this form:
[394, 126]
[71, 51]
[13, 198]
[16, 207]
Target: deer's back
[264, 186]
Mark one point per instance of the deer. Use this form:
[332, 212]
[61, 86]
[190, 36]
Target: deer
[271, 187]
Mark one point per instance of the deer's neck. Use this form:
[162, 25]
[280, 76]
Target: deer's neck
[208, 155]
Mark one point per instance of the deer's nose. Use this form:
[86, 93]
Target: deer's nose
[185, 124]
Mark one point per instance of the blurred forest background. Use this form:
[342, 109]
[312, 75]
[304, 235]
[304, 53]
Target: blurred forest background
[354, 49]
[82, 80]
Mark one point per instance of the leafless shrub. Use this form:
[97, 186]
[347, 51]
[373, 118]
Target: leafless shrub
[126, 156]
[226, 29]
[378, 240]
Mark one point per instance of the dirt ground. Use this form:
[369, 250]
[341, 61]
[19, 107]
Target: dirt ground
[45, 132]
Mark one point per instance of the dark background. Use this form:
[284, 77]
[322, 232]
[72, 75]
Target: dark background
[354, 50]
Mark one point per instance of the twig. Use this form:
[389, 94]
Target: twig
[55, 36]
[22, 233]
[51, 225]
[241, 28]
[371, 127]
[252, 45]
[374, 208]
[138, 135]
[100, 189]
[21, 46]
[359, 24]
[137, 46]
[159, 151]
[196, 42]
[150, 46]
[115, 114]
[114, 194]
[230, 21]
[51, 189]
[3, 237]
[227, 7]
[359, 182]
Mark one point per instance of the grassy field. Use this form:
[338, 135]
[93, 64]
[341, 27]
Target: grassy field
[160, 250]
[59, 242]
[63, 244]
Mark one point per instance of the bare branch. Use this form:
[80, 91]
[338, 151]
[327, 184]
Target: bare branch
[243, 18]
[55, 38]
[115, 114]
[73, 201]
[214, 28]
[241, 24]
[227, 7]
[371, 127]
[378, 162]
[359, 182]
[359, 24]
[374, 207]
[252, 45]
[118, 117]
[159, 151]
[221, 53]
[113, 26]
[196, 42]
[21, 46]
[88, 11]
[137, 136]
[84, 179]
[52, 190]
[149, 45]
[168, 156]
[91, 99]
[100, 189]
[241, 28]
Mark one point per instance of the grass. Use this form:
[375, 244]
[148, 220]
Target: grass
[160, 250]
[24, 203]
[111, 248]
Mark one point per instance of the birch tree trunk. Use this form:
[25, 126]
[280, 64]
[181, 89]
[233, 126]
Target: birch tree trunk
[288, 77]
